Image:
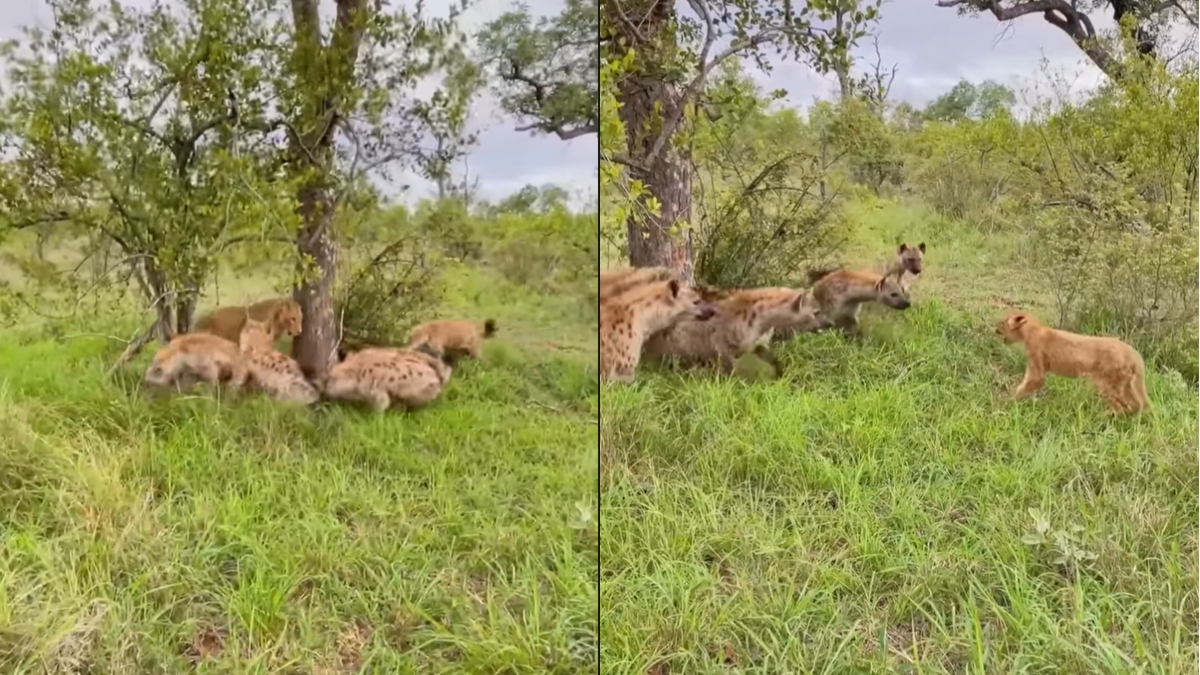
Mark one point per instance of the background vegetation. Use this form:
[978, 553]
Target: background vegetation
[882, 507]
[167, 160]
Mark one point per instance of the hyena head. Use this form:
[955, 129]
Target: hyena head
[802, 314]
[686, 302]
[1012, 328]
[909, 257]
[889, 292]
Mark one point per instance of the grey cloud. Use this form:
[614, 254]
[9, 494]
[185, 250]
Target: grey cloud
[934, 47]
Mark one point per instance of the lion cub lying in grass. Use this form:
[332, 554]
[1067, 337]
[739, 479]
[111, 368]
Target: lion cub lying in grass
[282, 315]
[1115, 367]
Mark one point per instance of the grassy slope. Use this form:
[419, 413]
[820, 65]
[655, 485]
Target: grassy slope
[141, 535]
[866, 512]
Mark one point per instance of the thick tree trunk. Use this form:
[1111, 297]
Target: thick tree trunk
[316, 346]
[646, 100]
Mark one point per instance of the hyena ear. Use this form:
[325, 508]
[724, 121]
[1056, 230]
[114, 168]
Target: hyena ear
[673, 286]
[798, 302]
[903, 248]
[879, 284]
[921, 246]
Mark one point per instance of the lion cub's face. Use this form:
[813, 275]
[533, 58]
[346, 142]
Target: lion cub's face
[289, 318]
[1012, 328]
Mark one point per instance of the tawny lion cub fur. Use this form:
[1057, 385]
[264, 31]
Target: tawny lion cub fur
[197, 357]
[283, 315]
[454, 339]
[385, 377]
[1115, 367]
[275, 374]
[841, 293]
[616, 282]
[627, 320]
[742, 322]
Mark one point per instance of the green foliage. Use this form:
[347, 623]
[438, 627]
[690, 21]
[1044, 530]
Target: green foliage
[386, 290]
[127, 123]
[766, 210]
[546, 69]
[967, 100]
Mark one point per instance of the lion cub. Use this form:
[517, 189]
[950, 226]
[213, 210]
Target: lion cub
[197, 357]
[841, 293]
[453, 339]
[1115, 367]
[628, 319]
[272, 372]
[742, 322]
[283, 315]
[385, 377]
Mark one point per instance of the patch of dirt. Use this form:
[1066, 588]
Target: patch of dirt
[208, 643]
[350, 644]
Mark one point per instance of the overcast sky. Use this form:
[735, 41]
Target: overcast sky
[932, 47]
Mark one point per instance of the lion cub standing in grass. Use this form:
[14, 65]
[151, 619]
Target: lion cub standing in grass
[272, 372]
[628, 318]
[197, 357]
[282, 315]
[743, 321]
[841, 293]
[454, 339]
[1116, 368]
[385, 377]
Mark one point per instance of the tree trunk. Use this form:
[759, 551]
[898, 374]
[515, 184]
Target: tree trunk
[325, 71]
[841, 64]
[647, 99]
[316, 346]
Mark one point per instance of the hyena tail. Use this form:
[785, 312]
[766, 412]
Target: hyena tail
[489, 328]
[816, 275]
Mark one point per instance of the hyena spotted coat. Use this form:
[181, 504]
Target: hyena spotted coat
[629, 318]
[743, 321]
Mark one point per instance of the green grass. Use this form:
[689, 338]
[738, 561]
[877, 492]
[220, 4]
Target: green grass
[870, 512]
[197, 535]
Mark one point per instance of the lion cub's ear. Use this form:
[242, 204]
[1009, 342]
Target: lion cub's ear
[879, 284]
[1018, 320]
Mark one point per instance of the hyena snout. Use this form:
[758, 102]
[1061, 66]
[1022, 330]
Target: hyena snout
[704, 311]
